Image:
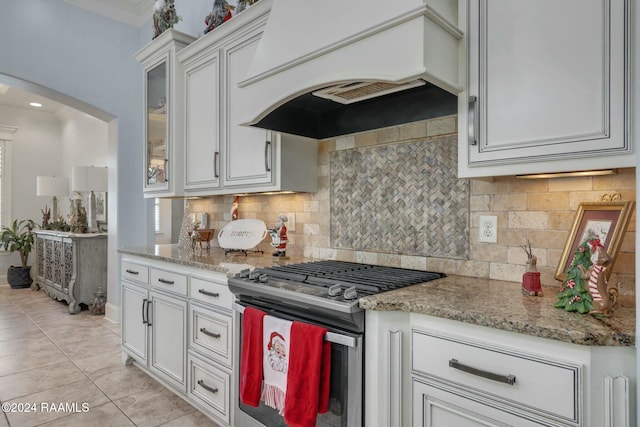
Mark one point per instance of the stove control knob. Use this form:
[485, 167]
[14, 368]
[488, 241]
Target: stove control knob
[244, 273]
[334, 290]
[350, 293]
[263, 278]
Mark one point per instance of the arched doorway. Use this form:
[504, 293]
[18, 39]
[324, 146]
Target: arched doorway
[78, 120]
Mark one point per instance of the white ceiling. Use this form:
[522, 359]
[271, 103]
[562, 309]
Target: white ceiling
[133, 12]
[19, 99]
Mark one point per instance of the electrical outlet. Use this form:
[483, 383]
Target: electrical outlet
[489, 229]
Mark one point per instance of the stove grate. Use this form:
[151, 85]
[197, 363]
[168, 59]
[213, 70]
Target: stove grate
[366, 278]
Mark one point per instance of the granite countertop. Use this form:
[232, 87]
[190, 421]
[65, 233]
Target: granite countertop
[501, 305]
[492, 303]
[213, 259]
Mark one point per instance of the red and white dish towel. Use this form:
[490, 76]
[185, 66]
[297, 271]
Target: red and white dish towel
[293, 361]
[276, 339]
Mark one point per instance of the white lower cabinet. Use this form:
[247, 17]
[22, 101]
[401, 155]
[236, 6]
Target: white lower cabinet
[177, 325]
[167, 322]
[211, 346]
[211, 333]
[502, 383]
[436, 405]
[428, 371]
[210, 387]
[154, 323]
[134, 327]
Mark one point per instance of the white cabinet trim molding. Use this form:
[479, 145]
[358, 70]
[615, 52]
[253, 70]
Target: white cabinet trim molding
[616, 405]
[394, 378]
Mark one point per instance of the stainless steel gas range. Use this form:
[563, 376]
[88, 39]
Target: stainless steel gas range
[325, 293]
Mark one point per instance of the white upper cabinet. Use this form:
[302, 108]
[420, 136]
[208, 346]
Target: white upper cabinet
[222, 154]
[249, 158]
[258, 159]
[202, 118]
[163, 82]
[547, 87]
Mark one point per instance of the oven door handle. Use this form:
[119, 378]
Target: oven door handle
[332, 337]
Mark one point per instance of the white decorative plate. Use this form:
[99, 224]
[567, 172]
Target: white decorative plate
[242, 234]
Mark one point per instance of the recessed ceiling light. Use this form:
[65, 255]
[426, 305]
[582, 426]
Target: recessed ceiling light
[35, 104]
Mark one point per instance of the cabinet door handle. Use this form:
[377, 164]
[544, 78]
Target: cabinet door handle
[209, 294]
[267, 145]
[211, 334]
[206, 387]
[132, 272]
[507, 379]
[144, 319]
[148, 321]
[165, 281]
[166, 170]
[216, 160]
[473, 120]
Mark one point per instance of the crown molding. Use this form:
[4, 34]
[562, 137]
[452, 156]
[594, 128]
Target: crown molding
[6, 132]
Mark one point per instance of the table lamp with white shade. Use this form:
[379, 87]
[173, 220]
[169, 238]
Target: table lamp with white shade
[89, 179]
[52, 186]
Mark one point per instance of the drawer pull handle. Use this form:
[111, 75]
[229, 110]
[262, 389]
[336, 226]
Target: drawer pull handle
[165, 281]
[144, 319]
[267, 145]
[132, 271]
[507, 379]
[209, 294]
[206, 387]
[166, 170]
[148, 321]
[473, 120]
[211, 334]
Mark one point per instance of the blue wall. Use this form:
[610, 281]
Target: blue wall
[83, 55]
[88, 57]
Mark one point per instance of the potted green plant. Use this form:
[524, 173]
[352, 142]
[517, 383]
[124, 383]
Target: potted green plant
[19, 238]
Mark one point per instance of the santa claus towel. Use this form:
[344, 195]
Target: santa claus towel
[276, 339]
[251, 356]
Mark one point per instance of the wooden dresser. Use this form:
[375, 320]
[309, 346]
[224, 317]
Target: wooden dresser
[70, 267]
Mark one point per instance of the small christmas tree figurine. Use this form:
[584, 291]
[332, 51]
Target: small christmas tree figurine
[574, 294]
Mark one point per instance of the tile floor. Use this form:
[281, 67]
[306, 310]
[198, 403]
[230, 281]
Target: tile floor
[49, 357]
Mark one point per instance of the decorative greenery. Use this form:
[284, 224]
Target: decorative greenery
[60, 225]
[19, 238]
[574, 294]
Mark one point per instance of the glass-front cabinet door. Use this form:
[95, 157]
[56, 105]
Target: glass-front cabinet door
[157, 152]
[163, 82]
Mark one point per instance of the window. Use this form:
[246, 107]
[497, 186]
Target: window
[156, 214]
[2, 181]
[5, 181]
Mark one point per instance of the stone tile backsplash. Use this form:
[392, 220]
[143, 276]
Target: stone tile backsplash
[402, 198]
[541, 211]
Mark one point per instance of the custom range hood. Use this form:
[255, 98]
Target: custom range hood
[325, 68]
